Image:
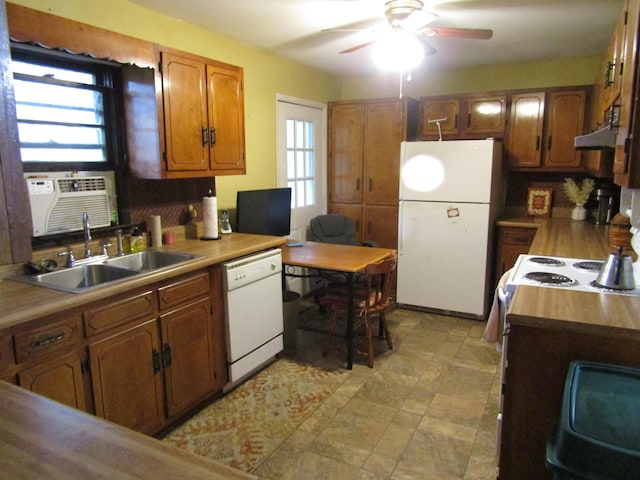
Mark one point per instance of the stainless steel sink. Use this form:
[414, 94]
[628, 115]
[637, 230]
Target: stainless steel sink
[78, 279]
[149, 260]
[94, 275]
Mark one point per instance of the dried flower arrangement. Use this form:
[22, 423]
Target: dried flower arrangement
[578, 195]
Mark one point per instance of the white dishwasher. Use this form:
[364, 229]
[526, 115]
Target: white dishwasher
[253, 290]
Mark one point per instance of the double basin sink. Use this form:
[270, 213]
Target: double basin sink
[92, 275]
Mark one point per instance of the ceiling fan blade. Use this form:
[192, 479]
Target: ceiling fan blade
[428, 49]
[418, 20]
[358, 47]
[471, 33]
[368, 24]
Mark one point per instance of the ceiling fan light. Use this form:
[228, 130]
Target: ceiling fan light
[398, 51]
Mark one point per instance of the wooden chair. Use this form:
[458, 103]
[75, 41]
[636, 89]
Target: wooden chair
[370, 302]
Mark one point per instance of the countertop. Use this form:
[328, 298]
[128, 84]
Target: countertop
[42, 439]
[594, 313]
[20, 302]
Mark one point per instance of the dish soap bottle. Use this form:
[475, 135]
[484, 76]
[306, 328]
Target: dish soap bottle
[138, 242]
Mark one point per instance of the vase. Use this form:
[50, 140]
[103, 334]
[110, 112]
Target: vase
[579, 213]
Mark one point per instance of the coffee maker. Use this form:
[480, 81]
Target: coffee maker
[605, 198]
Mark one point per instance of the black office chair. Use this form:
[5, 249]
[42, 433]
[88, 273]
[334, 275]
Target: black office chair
[338, 229]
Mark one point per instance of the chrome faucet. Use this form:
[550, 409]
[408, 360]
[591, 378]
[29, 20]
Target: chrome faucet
[87, 235]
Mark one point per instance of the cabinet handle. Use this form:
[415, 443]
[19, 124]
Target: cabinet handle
[455, 122]
[549, 144]
[167, 355]
[46, 341]
[205, 136]
[468, 120]
[212, 136]
[370, 184]
[608, 81]
[357, 183]
[156, 360]
[537, 143]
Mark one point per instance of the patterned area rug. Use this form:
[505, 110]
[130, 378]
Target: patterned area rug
[242, 428]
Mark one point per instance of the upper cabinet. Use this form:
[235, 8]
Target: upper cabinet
[542, 129]
[467, 116]
[199, 113]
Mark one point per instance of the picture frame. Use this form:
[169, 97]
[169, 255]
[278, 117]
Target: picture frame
[539, 201]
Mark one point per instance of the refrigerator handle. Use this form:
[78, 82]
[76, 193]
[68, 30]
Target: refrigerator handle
[400, 223]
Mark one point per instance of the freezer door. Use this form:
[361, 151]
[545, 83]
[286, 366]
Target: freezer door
[443, 256]
[450, 171]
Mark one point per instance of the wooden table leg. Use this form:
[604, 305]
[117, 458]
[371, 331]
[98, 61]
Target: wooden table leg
[350, 322]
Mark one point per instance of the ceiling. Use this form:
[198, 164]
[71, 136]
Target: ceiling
[523, 30]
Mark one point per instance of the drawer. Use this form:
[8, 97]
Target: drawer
[48, 337]
[518, 236]
[7, 357]
[119, 312]
[182, 290]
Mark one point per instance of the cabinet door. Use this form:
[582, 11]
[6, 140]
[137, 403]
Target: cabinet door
[383, 134]
[486, 115]
[447, 110]
[226, 120]
[127, 378]
[188, 354]
[565, 120]
[59, 379]
[346, 148]
[185, 113]
[381, 225]
[524, 141]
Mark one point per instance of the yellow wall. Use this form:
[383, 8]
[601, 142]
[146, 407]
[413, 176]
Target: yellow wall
[265, 75]
[550, 73]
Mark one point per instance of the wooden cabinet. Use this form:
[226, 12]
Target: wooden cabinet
[512, 242]
[473, 116]
[185, 120]
[542, 129]
[168, 353]
[364, 159]
[203, 115]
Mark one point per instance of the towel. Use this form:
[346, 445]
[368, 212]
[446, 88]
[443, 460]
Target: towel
[497, 316]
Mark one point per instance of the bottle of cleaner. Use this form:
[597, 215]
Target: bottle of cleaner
[138, 241]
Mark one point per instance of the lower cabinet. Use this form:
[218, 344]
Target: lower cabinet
[127, 378]
[512, 242]
[60, 379]
[146, 358]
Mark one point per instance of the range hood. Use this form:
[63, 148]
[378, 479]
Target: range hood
[602, 139]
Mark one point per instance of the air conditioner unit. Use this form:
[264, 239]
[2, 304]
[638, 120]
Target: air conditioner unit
[57, 204]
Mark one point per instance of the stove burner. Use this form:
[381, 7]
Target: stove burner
[547, 261]
[548, 278]
[589, 266]
[603, 288]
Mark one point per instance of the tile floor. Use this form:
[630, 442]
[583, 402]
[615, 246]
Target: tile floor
[426, 411]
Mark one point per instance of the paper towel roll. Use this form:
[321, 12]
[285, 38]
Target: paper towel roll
[210, 217]
[155, 227]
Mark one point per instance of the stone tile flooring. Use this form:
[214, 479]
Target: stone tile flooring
[427, 410]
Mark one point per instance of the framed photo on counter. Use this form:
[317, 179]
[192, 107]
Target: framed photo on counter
[539, 201]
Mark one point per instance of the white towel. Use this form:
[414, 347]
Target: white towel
[495, 321]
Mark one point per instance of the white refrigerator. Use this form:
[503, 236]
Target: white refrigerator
[451, 195]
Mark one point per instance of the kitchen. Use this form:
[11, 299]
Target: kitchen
[326, 89]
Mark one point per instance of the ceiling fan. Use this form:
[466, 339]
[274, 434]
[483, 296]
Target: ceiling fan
[408, 17]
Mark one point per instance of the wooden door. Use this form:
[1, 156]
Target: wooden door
[188, 355]
[126, 375]
[226, 120]
[346, 150]
[524, 141]
[381, 225]
[565, 121]
[59, 379]
[486, 115]
[383, 134]
[186, 131]
[447, 110]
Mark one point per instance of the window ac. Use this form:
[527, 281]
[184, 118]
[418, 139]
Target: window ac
[57, 204]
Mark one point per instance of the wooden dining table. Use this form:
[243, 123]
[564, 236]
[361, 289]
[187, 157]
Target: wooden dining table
[348, 259]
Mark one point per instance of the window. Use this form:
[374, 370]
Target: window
[65, 107]
[300, 162]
